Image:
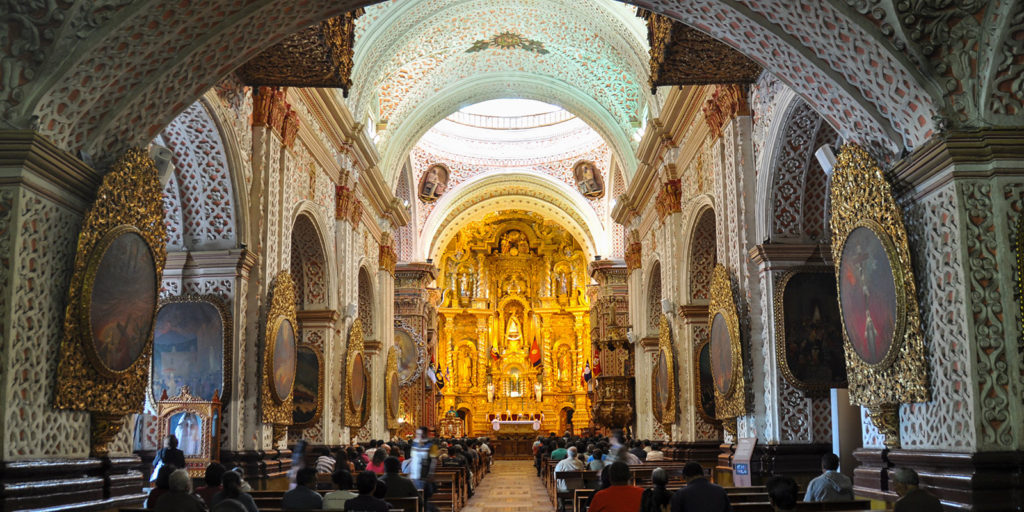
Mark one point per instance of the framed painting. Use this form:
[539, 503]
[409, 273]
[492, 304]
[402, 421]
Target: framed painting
[705, 386]
[721, 355]
[356, 382]
[726, 349]
[121, 285]
[192, 347]
[663, 378]
[307, 400]
[411, 353]
[869, 295]
[392, 389]
[280, 355]
[808, 331]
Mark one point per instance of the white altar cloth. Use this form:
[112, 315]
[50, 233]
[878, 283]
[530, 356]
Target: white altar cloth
[498, 424]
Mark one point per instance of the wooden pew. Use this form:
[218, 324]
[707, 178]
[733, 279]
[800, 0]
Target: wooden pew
[808, 506]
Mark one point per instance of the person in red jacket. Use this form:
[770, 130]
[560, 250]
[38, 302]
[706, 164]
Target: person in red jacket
[620, 495]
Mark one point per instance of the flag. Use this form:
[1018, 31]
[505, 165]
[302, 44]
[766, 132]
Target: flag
[535, 353]
[494, 353]
[431, 373]
[597, 363]
[440, 378]
[586, 373]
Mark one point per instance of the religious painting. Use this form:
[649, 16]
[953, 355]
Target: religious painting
[408, 357]
[123, 299]
[868, 296]
[188, 428]
[659, 387]
[189, 342]
[706, 381]
[810, 340]
[306, 396]
[284, 359]
[357, 384]
[721, 354]
[588, 179]
[433, 183]
[394, 396]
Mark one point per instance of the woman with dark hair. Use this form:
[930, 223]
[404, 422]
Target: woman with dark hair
[232, 483]
[657, 498]
[377, 464]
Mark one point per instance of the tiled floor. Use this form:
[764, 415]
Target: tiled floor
[511, 486]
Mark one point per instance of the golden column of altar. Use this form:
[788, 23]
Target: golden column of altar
[515, 324]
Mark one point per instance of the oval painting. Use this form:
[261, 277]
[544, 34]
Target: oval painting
[867, 295]
[394, 395]
[408, 356]
[123, 301]
[659, 386]
[284, 360]
[357, 386]
[721, 354]
[706, 382]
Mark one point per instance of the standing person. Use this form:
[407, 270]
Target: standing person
[782, 493]
[831, 485]
[699, 493]
[422, 454]
[366, 483]
[233, 490]
[619, 496]
[912, 497]
[658, 498]
[335, 500]
[179, 498]
[169, 454]
[304, 495]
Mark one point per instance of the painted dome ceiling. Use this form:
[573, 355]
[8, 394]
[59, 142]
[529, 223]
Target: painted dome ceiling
[418, 61]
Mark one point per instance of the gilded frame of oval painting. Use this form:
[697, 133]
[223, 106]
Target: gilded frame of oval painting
[277, 410]
[665, 357]
[732, 402]
[860, 197]
[354, 413]
[392, 394]
[421, 353]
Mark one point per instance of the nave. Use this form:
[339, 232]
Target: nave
[511, 486]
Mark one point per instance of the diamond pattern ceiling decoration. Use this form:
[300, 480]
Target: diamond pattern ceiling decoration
[408, 53]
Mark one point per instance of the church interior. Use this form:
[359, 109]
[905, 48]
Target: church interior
[751, 232]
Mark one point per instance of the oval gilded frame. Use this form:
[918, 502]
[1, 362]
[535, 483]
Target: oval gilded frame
[666, 356]
[421, 353]
[276, 410]
[900, 319]
[85, 321]
[393, 404]
[732, 403]
[319, 401]
[697, 382]
[354, 414]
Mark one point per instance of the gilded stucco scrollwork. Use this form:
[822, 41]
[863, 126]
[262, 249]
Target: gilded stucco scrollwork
[128, 202]
[277, 409]
[667, 407]
[729, 402]
[862, 198]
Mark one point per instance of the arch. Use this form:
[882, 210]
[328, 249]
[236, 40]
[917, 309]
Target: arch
[103, 85]
[702, 244]
[199, 196]
[520, 85]
[654, 299]
[309, 267]
[791, 183]
[366, 294]
[512, 190]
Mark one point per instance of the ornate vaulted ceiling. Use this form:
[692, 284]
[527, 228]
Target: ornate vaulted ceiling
[417, 61]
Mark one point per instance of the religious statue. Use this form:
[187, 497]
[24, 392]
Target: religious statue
[588, 179]
[433, 183]
[514, 243]
[514, 335]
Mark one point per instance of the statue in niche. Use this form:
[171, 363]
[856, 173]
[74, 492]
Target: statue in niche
[588, 179]
[433, 183]
[514, 243]
[514, 335]
[465, 372]
[564, 365]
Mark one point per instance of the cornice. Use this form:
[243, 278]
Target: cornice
[785, 256]
[53, 172]
[694, 312]
[223, 263]
[974, 154]
[317, 317]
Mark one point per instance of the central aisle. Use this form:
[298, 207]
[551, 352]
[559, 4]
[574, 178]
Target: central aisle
[511, 486]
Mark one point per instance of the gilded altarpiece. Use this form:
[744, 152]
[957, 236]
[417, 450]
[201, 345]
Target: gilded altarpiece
[514, 324]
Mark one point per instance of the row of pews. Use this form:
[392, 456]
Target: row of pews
[582, 485]
[453, 486]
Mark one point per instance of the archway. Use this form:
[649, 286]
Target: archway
[701, 260]
[309, 270]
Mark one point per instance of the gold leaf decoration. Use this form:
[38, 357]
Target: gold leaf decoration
[731, 403]
[277, 410]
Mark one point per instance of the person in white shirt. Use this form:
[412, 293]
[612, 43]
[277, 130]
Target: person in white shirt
[655, 454]
[571, 462]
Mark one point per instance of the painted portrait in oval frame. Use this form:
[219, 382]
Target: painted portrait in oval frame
[357, 384]
[705, 382]
[306, 396]
[870, 302]
[394, 396]
[721, 355]
[659, 386]
[811, 343]
[121, 283]
[408, 356]
[285, 349]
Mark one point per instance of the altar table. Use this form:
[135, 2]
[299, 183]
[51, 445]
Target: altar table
[524, 426]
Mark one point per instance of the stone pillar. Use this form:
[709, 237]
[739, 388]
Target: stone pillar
[384, 331]
[962, 198]
[415, 312]
[44, 193]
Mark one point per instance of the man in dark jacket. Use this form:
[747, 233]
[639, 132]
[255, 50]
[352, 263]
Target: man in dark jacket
[366, 483]
[398, 486]
[912, 497]
[304, 495]
[169, 454]
[699, 495]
